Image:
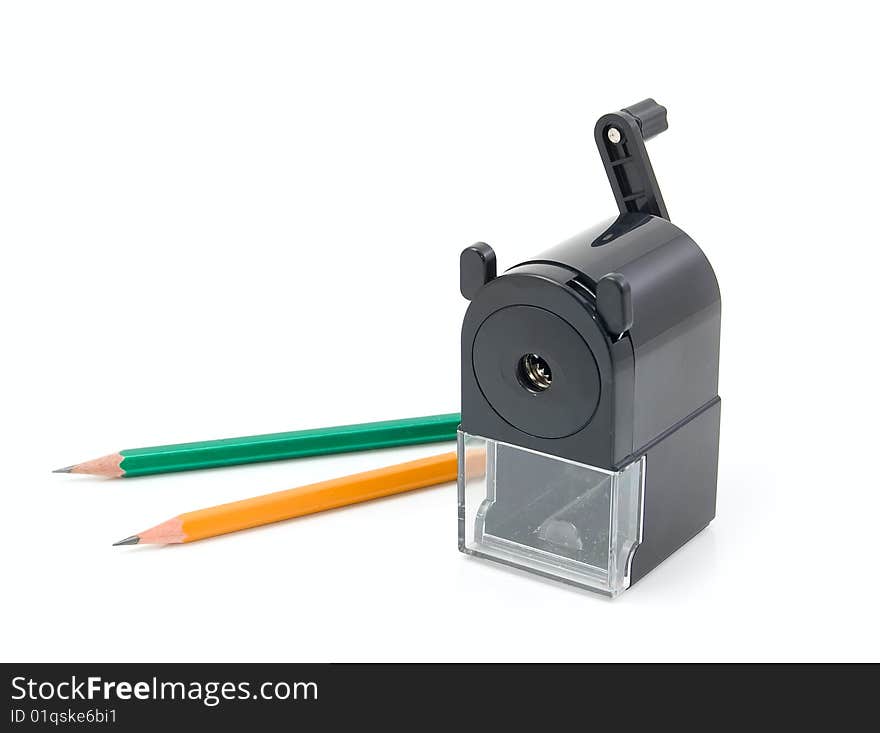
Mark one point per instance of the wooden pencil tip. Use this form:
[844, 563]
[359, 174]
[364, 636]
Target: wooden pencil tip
[107, 466]
[133, 540]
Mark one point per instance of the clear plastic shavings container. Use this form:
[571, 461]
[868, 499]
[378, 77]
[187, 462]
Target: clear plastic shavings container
[549, 515]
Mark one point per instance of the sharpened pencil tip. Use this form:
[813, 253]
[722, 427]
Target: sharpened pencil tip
[66, 469]
[133, 540]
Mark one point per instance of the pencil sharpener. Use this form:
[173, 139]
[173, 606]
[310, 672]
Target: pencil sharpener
[588, 445]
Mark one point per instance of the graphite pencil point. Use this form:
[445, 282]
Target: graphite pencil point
[66, 469]
[133, 540]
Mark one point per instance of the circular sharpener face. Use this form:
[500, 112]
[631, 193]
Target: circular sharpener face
[536, 371]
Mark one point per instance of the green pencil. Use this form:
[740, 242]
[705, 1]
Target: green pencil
[272, 447]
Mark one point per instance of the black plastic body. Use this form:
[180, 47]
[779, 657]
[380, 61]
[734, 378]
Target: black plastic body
[627, 314]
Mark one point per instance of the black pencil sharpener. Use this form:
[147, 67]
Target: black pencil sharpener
[588, 446]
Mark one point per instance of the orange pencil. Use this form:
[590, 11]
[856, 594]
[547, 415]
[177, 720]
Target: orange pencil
[310, 499]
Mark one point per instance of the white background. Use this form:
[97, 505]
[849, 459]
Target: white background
[223, 218]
